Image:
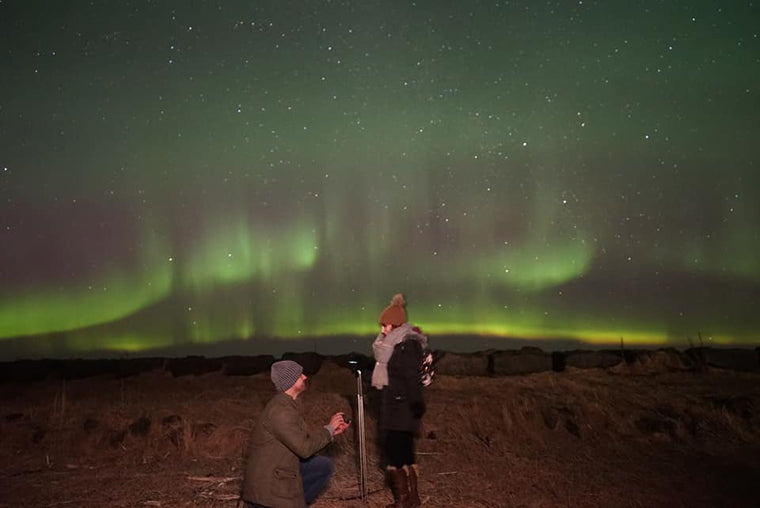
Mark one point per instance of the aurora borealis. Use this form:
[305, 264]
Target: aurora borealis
[178, 173]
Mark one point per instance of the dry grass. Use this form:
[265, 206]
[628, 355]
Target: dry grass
[613, 438]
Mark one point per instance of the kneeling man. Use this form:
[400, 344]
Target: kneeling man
[282, 470]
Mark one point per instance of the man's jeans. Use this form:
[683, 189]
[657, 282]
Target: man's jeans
[316, 472]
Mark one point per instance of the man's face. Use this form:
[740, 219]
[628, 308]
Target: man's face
[300, 385]
[384, 329]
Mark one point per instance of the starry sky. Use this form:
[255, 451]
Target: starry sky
[176, 173]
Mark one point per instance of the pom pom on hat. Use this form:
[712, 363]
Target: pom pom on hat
[284, 374]
[394, 314]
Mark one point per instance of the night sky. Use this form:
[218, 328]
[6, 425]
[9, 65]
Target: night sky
[175, 173]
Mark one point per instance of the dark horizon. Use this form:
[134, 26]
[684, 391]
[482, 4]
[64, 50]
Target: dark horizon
[23, 349]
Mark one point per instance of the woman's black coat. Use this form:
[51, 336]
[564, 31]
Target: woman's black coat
[402, 402]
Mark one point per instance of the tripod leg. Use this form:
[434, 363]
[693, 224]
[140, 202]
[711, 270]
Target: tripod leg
[362, 443]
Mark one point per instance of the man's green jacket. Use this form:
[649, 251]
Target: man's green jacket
[280, 438]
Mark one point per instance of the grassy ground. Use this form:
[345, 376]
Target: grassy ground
[619, 437]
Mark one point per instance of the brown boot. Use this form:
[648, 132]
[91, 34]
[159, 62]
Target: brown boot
[399, 486]
[414, 497]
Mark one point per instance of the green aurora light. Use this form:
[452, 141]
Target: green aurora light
[176, 176]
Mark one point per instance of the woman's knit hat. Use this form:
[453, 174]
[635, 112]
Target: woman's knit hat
[284, 374]
[394, 314]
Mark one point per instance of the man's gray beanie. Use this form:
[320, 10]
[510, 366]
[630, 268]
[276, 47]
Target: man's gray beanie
[284, 374]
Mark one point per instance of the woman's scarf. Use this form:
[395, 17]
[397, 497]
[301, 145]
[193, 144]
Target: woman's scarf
[383, 349]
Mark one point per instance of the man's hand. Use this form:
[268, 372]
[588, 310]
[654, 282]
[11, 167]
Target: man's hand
[338, 423]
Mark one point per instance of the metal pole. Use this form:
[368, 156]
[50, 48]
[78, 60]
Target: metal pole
[363, 491]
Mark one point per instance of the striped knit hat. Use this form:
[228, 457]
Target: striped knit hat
[284, 374]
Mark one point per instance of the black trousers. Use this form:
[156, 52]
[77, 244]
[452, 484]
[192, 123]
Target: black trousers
[399, 448]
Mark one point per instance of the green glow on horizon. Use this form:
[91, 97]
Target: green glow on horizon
[117, 342]
[113, 297]
[71, 309]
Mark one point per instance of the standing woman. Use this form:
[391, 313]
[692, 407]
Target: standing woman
[399, 353]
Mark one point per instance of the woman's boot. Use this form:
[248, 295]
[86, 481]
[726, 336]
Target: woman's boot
[414, 497]
[399, 486]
